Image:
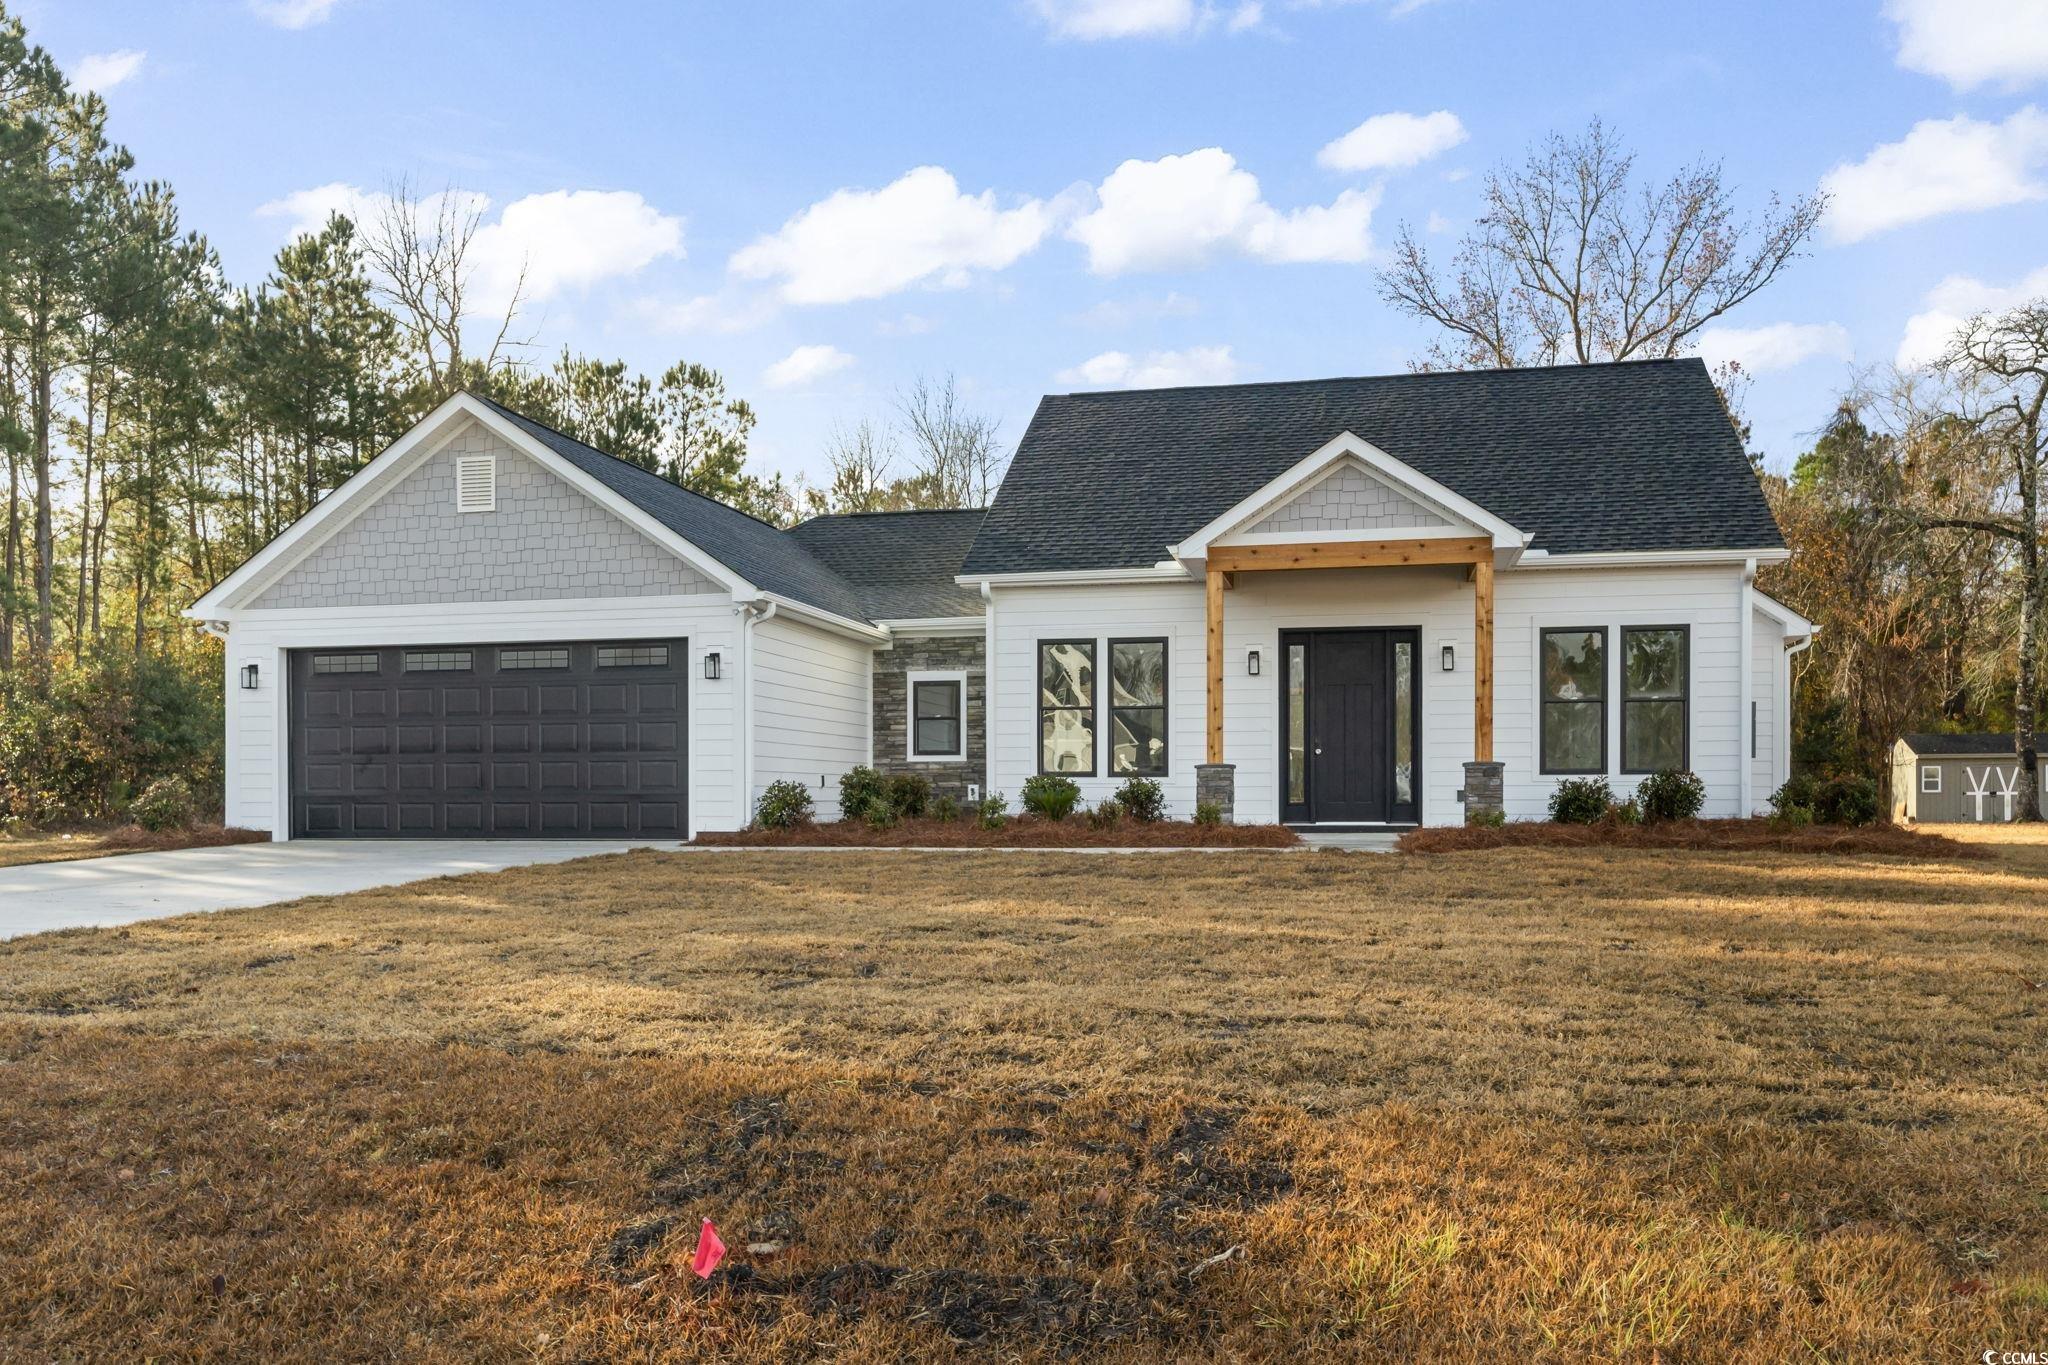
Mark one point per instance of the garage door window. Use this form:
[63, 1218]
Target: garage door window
[438, 661]
[533, 658]
[632, 656]
[344, 663]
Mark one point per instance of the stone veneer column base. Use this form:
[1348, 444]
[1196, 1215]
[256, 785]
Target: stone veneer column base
[1216, 785]
[1483, 794]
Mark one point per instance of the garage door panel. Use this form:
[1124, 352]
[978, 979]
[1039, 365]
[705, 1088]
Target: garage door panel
[569, 749]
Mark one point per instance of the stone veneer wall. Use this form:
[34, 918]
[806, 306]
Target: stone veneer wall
[934, 654]
[545, 540]
[1350, 500]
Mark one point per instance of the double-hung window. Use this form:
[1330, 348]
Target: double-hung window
[938, 709]
[1066, 707]
[1655, 683]
[1137, 708]
[1574, 666]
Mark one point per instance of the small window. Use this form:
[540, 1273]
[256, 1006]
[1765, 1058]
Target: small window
[1654, 681]
[1137, 707]
[937, 705]
[438, 661]
[1574, 666]
[534, 658]
[632, 656]
[1930, 780]
[1066, 707]
[476, 483]
[344, 663]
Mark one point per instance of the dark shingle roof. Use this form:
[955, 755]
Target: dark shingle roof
[1928, 746]
[900, 563]
[1634, 456]
[765, 556]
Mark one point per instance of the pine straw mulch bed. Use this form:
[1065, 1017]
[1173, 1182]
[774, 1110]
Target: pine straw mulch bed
[58, 846]
[1023, 832]
[1706, 835]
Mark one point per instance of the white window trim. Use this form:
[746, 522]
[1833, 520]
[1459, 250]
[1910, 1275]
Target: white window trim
[1932, 770]
[910, 682]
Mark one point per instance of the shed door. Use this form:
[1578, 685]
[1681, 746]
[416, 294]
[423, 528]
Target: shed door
[552, 740]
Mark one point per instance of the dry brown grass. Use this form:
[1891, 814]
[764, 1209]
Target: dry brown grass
[60, 846]
[1567, 1104]
[1752, 836]
[1024, 832]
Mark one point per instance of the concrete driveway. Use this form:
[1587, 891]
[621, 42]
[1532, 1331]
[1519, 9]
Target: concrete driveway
[139, 886]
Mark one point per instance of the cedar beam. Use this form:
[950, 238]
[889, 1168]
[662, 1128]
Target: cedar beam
[1215, 614]
[1482, 665]
[1349, 554]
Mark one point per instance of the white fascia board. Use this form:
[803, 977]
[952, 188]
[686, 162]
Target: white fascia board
[1796, 627]
[933, 625]
[824, 620]
[1167, 571]
[1306, 472]
[332, 512]
[1634, 559]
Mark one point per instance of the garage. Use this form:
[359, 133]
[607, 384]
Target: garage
[556, 739]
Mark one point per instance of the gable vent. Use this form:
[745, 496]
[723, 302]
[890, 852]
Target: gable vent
[476, 483]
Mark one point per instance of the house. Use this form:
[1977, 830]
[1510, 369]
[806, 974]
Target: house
[1348, 602]
[1946, 779]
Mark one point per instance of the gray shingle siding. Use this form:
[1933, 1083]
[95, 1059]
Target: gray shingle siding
[1350, 500]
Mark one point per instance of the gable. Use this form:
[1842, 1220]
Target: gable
[544, 540]
[1351, 499]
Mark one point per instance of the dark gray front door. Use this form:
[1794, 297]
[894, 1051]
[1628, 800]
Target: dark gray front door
[550, 740]
[1349, 745]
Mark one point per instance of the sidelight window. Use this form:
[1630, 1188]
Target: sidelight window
[1137, 707]
[1574, 665]
[1066, 707]
[1655, 677]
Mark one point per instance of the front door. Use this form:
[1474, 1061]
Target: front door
[1350, 726]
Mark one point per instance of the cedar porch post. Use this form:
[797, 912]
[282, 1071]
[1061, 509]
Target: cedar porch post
[1215, 577]
[1482, 664]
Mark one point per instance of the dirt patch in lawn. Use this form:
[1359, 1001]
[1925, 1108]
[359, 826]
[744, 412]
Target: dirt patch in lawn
[57, 846]
[1756, 836]
[1556, 1103]
[1024, 832]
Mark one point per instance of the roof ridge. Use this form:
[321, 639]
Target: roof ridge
[1367, 378]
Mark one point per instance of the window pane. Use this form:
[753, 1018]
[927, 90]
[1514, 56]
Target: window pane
[1068, 740]
[437, 661]
[941, 699]
[632, 656]
[1137, 674]
[1653, 663]
[1297, 724]
[1571, 736]
[1066, 674]
[1137, 740]
[1404, 722]
[1574, 665]
[938, 735]
[533, 658]
[344, 663]
[1655, 736]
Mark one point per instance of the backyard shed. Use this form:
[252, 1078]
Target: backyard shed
[1950, 779]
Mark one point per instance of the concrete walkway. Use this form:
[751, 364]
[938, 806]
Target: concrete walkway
[139, 886]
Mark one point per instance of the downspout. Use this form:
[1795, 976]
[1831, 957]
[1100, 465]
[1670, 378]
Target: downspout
[751, 615]
[1745, 729]
[988, 689]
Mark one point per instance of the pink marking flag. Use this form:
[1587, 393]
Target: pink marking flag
[710, 1251]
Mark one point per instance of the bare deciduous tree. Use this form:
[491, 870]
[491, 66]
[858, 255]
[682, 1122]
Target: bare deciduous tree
[863, 460]
[419, 250]
[956, 459]
[1568, 263]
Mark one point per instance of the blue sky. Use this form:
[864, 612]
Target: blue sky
[826, 198]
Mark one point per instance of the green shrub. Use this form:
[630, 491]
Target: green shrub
[1846, 801]
[946, 808]
[1580, 800]
[860, 788]
[1673, 794]
[784, 805]
[1791, 817]
[1629, 812]
[1142, 799]
[165, 804]
[879, 813]
[1799, 795]
[910, 795]
[990, 810]
[1051, 796]
[1208, 813]
[1107, 815]
[1486, 819]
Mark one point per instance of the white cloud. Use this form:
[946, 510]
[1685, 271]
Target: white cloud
[1973, 42]
[1955, 301]
[1940, 166]
[1124, 312]
[1179, 211]
[1778, 346]
[1248, 15]
[102, 71]
[293, 13]
[865, 244]
[1088, 19]
[805, 365]
[1437, 223]
[728, 311]
[1153, 370]
[1391, 142]
[908, 325]
[563, 240]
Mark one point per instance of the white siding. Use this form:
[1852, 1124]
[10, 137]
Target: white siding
[1436, 600]
[812, 708]
[256, 752]
[1767, 690]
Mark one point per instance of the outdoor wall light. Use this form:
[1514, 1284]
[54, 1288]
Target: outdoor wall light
[711, 666]
[250, 676]
[1251, 663]
[1450, 658]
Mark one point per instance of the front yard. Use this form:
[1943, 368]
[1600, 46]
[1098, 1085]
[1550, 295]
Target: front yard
[1578, 1102]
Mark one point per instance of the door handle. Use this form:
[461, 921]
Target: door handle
[1319, 749]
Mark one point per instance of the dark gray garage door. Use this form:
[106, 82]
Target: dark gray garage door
[543, 740]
